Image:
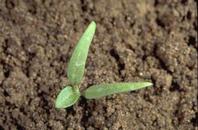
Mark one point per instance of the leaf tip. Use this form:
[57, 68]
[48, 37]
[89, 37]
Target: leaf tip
[93, 23]
[148, 84]
[58, 105]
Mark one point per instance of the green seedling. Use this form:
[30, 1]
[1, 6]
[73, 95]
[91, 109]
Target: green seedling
[70, 94]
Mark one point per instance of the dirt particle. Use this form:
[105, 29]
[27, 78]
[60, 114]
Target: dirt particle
[194, 120]
[10, 4]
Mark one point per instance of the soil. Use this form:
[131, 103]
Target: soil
[135, 41]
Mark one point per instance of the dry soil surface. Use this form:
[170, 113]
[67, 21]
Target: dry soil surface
[136, 40]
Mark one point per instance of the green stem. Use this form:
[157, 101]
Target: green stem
[76, 89]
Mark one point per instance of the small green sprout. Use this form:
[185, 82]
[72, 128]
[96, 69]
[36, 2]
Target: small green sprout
[70, 94]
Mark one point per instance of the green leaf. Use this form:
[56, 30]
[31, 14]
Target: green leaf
[77, 62]
[97, 91]
[67, 97]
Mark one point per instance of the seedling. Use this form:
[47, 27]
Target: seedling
[70, 94]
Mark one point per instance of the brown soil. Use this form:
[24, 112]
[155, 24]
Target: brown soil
[136, 40]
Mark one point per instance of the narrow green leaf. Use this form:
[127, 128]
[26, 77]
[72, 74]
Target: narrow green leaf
[77, 62]
[67, 97]
[97, 91]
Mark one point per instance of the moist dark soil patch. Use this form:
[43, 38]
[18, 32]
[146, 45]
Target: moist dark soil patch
[135, 41]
